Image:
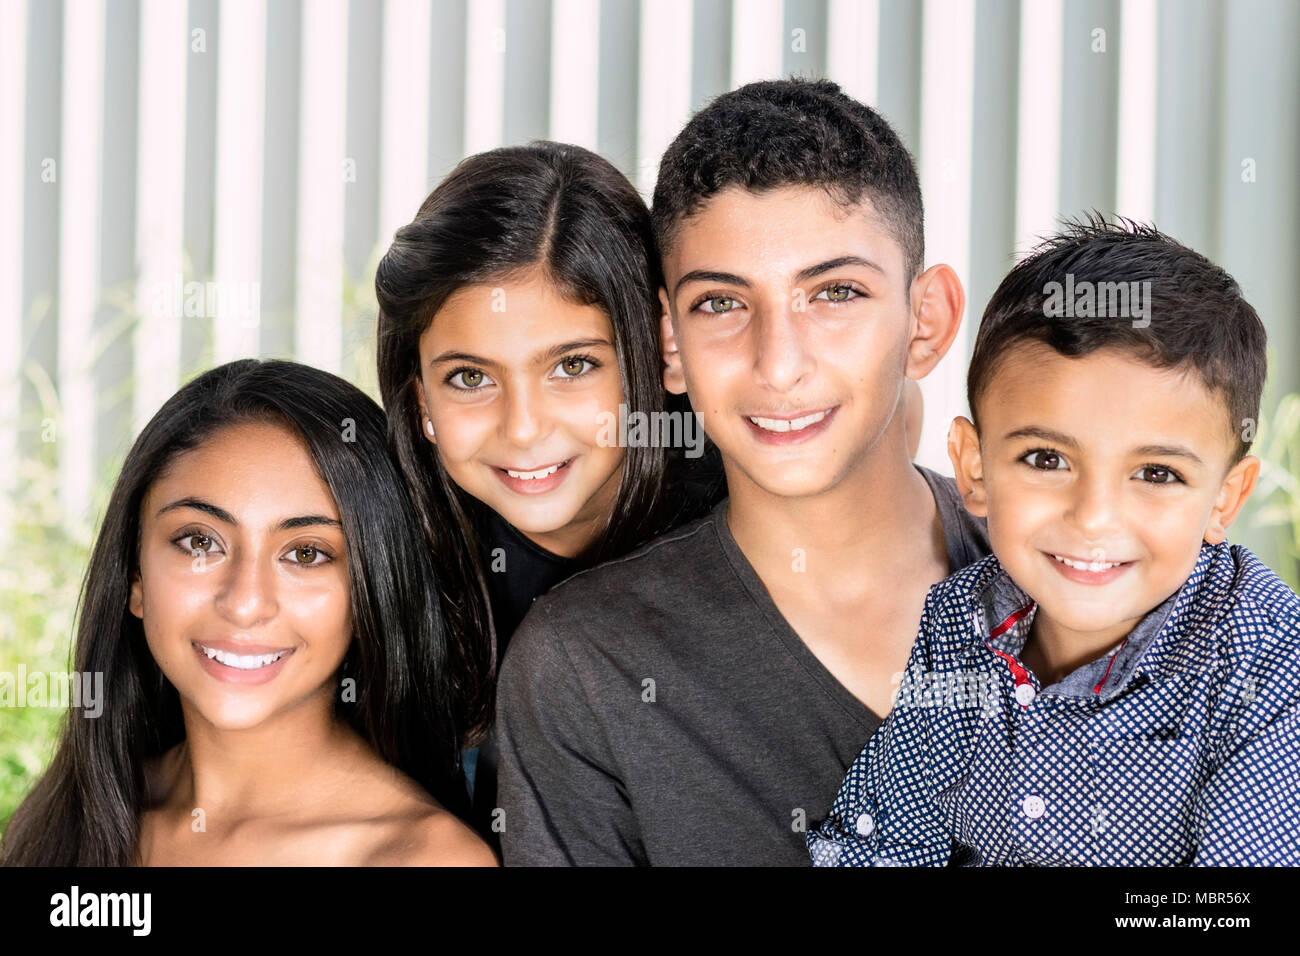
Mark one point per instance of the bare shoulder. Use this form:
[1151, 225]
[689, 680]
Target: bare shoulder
[427, 835]
[408, 827]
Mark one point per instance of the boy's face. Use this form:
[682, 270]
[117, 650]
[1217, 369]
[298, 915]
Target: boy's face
[1117, 466]
[787, 320]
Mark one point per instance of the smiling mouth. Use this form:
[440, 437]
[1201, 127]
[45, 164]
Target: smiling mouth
[1093, 566]
[242, 662]
[538, 473]
[788, 424]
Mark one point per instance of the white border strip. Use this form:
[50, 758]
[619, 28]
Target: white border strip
[1038, 127]
[79, 173]
[1135, 162]
[160, 204]
[241, 115]
[322, 143]
[575, 71]
[947, 120]
[485, 76]
[853, 47]
[664, 86]
[757, 40]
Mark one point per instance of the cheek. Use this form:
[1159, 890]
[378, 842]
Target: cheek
[320, 611]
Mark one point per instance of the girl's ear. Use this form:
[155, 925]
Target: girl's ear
[674, 377]
[422, 409]
[136, 603]
[1236, 489]
[967, 467]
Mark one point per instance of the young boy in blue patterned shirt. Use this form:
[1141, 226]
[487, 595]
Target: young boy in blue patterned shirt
[1115, 684]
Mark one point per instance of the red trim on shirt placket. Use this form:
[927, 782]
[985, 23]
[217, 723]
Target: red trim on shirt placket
[1017, 669]
[1101, 683]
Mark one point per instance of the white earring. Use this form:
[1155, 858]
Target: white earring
[428, 426]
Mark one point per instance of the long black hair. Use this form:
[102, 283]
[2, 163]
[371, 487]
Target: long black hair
[569, 211]
[86, 808]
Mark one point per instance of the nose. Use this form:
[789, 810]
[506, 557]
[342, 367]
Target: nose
[1096, 510]
[526, 418]
[781, 360]
[247, 595]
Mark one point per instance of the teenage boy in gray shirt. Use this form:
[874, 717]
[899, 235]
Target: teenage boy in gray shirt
[699, 700]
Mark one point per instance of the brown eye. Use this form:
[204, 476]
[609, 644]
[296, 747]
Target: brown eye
[573, 366]
[1043, 460]
[199, 542]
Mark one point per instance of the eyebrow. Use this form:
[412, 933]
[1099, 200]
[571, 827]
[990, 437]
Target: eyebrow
[224, 516]
[554, 352]
[1059, 438]
[803, 275]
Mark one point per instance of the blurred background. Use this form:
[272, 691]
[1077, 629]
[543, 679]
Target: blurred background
[186, 183]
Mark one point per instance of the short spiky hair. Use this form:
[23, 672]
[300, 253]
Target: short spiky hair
[793, 132]
[1198, 318]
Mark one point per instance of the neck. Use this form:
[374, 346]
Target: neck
[1054, 651]
[876, 511]
[276, 767]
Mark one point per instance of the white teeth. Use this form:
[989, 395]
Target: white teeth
[787, 425]
[529, 475]
[1089, 565]
[243, 662]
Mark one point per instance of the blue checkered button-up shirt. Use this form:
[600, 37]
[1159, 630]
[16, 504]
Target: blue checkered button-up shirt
[1181, 746]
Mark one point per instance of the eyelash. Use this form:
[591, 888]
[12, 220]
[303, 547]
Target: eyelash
[199, 533]
[1177, 478]
[593, 362]
[858, 292]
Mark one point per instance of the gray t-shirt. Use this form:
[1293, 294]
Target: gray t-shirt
[658, 709]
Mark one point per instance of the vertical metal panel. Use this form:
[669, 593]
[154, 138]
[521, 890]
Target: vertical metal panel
[528, 71]
[160, 204]
[805, 38]
[1089, 105]
[285, 43]
[620, 83]
[200, 174]
[1189, 85]
[41, 139]
[993, 158]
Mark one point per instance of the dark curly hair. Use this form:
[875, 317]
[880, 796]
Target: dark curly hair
[793, 132]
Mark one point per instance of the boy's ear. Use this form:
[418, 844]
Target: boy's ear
[1236, 489]
[967, 466]
[937, 303]
[674, 377]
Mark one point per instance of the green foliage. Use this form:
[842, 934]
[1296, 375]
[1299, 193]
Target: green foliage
[1276, 501]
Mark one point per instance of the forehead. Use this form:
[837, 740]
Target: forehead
[511, 319]
[1107, 398]
[255, 471]
[778, 232]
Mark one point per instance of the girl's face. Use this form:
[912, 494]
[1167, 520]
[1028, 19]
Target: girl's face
[521, 385]
[243, 587]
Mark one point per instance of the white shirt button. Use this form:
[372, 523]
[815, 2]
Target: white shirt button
[1033, 806]
[1024, 694]
[865, 824]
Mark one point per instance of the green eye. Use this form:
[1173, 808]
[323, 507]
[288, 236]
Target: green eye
[470, 379]
[720, 303]
[573, 366]
[839, 293]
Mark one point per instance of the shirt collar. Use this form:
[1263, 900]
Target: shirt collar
[999, 604]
